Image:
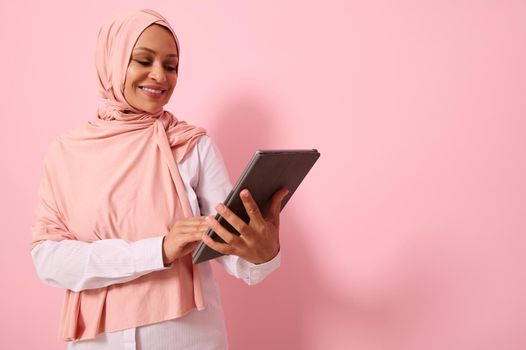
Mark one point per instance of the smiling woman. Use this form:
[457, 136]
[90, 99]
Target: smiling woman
[152, 73]
[125, 199]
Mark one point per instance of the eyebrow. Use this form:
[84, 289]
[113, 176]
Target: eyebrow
[153, 51]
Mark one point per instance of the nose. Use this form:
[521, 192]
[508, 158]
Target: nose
[157, 73]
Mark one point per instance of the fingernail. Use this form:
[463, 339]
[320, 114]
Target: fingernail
[208, 220]
[220, 208]
[244, 193]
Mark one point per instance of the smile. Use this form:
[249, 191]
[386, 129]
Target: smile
[151, 92]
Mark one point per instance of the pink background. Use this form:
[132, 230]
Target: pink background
[409, 233]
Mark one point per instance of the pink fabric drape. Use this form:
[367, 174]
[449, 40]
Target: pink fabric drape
[117, 177]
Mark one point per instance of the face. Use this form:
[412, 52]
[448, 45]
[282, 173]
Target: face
[152, 72]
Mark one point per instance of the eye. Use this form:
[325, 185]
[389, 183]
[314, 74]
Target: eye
[143, 62]
[171, 68]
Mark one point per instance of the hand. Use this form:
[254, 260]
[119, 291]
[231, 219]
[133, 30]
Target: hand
[183, 238]
[259, 239]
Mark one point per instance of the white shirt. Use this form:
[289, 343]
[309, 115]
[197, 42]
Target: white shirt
[78, 265]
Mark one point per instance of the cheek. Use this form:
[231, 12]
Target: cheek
[173, 81]
[128, 82]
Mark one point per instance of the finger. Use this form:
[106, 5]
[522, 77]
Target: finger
[242, 227]
[217, 246]
[191, 221]
[185, 230]
[275, 205]
[180, 245]
[193, 237]
[251, 207]
[202, 227]
[183, 240]
[227, 236]
[190, 247]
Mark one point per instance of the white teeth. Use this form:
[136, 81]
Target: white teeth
[153, 91]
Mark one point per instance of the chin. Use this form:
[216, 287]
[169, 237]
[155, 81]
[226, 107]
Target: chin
[152, 108]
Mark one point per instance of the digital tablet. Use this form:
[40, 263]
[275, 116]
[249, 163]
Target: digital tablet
[267, 172]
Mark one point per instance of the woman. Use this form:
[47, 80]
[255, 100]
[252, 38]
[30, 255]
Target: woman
[124, 201]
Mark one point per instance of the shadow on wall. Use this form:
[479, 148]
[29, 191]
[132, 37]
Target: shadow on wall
[284, 311]
[430, 285]
[243, 125]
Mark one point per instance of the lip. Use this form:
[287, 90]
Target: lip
[151, 94]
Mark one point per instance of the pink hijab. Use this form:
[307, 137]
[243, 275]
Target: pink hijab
[117, 177]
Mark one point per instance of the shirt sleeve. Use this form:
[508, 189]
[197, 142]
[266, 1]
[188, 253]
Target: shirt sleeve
[62, 261]
[78, 265]
[212, 187]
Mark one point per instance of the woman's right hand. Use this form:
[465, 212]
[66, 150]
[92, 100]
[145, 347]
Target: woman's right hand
[183, 238]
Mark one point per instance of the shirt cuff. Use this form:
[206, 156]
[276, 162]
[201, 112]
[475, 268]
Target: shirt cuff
[148, 254]
[255, 273]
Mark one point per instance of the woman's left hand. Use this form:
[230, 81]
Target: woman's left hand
[258, 241]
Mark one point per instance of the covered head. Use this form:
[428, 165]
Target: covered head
[115, 44]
